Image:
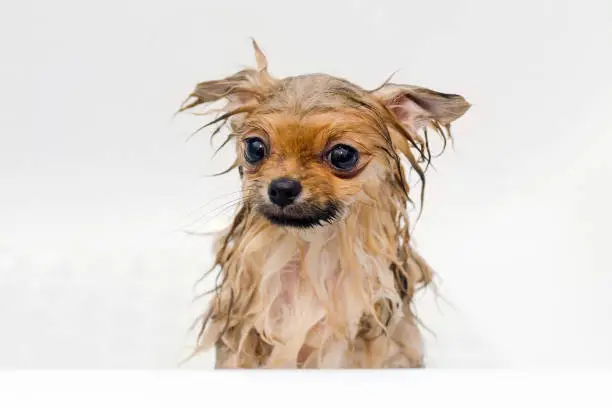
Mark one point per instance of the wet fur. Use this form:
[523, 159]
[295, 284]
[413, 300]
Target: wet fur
[330, 284]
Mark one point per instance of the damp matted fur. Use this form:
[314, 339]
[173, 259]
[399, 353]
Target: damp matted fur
[336, 290]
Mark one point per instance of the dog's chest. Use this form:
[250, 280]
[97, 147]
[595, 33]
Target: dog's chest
[307, 301]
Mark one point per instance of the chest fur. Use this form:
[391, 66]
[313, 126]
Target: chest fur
[313, 297]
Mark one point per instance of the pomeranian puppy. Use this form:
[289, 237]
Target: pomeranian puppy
[317, 268]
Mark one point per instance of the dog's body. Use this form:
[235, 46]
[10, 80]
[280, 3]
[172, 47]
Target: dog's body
[317, 269]
[305, 276]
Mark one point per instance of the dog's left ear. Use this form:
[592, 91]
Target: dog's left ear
[416, 108]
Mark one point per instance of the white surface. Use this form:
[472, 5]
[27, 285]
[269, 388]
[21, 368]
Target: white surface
[96, 181]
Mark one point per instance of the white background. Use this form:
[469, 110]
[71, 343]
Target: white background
[97, 182]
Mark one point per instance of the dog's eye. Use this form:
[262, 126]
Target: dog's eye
[343, 157]
[254, 150]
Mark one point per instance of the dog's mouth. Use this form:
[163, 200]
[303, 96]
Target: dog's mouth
[302, 215]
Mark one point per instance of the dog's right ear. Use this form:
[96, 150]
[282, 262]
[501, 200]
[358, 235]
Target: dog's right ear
[242, 89]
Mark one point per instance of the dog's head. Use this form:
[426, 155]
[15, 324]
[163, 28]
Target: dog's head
[308, 147]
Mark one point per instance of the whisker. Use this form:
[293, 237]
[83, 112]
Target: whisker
[214, 199]
[217, 211]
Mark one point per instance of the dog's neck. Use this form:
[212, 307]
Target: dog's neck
[317, 284]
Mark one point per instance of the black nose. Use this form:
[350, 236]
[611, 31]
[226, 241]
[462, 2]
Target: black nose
[284, 191]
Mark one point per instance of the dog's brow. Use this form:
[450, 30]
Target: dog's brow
[302, 110]
[267, 110]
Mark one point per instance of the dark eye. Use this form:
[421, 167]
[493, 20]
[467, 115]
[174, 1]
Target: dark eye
[343, 157]
[254, 150]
